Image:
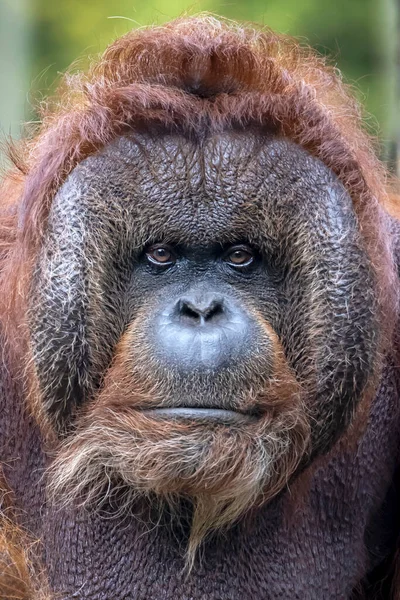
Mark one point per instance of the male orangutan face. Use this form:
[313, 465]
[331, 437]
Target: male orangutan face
[202, 319]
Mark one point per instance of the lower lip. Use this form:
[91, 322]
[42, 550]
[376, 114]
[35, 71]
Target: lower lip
[214, 415]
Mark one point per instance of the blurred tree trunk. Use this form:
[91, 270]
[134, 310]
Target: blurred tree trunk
[396, 61]
[15, 53]
[391, 35]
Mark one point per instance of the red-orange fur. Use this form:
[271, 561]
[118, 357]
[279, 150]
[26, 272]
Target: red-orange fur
[21, 577]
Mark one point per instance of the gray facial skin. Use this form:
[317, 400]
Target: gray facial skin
[310, 282]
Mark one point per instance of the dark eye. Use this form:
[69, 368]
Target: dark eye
[160, 255]
[239, 256]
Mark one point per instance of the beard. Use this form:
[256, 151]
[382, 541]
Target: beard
[223, 470]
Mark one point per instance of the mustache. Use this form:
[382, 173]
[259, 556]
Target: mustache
[136, 379]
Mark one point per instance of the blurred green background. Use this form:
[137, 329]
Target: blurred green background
[39, 39]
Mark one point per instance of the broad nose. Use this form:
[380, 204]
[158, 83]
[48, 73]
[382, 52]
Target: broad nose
[196, 310]
[202, 330]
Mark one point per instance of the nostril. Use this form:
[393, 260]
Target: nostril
[214, 310]
[199, 312]
[187, 311]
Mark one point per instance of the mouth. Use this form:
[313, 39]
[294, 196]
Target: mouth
[205, 415]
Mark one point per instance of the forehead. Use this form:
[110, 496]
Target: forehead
[218, 189]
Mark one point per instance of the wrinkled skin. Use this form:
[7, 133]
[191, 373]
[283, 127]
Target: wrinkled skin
[107, 344]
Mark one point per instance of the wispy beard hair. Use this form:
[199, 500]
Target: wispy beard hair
[222, 470]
